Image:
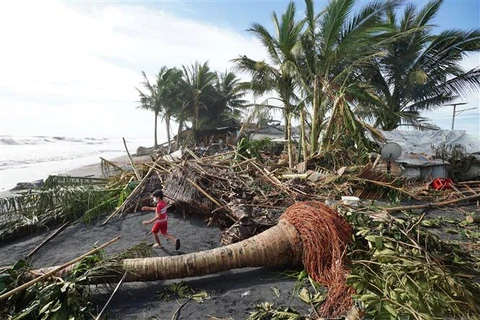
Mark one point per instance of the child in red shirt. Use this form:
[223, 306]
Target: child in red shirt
[160, 220]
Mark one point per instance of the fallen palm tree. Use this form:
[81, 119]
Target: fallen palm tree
[308, 232]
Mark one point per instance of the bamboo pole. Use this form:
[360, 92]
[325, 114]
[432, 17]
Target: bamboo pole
[192, 154]
[242, 163]
[139, 177]
[48, 274]
[48, 239]
[470, 189]
[433, 205]
[302, 176]
[203, 192]
[457, 191]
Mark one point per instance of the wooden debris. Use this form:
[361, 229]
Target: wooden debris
[239, 194]
[475, 218]
[135, 191]
[433, 205]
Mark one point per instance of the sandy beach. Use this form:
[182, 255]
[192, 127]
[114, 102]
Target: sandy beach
[232, 294]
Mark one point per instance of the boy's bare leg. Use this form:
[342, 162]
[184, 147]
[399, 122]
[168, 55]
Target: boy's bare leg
[158, 240]
[173, 239]
[170, 237]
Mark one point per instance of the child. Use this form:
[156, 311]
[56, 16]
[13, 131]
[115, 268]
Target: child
[160, 220]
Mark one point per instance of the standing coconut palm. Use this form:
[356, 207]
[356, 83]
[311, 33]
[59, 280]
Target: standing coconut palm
[172, 87]
[199, 92]
[150, 102]
[164, 97]
[230, 102]
[420, 71]
[335, 46]
[279, 74]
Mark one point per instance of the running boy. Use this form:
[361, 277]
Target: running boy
[160, 220]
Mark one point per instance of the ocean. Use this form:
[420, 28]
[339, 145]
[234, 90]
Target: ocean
[30, 158]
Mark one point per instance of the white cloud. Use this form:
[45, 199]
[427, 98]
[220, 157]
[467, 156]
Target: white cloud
[72, 69]
[89, 57]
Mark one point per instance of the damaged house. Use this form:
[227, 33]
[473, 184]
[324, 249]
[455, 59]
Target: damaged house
[426, 155]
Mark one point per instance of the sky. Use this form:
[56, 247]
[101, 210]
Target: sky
[71, 68]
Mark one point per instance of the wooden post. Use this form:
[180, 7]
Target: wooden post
[139, 177]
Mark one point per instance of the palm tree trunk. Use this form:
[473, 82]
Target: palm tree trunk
[328, 138]
[315, 118]
[155, 131]
[180, 128]
[289, 140]
[167, 124]
[278, 246]
[196, 117]
[304, 138]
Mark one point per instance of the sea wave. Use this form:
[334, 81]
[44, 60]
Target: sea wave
[19, 163]
[33, 140]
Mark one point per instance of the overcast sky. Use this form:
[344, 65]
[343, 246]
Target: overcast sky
[71, 68]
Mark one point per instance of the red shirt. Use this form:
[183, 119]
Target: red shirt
[161, 211]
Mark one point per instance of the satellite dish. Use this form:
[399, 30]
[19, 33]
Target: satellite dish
[391, 151]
